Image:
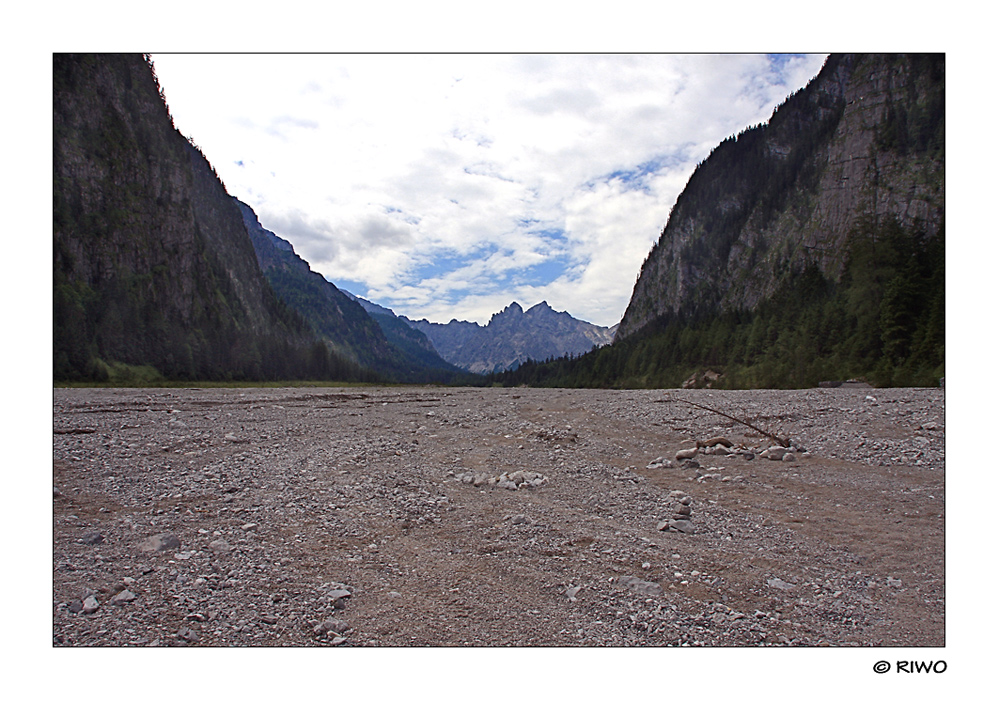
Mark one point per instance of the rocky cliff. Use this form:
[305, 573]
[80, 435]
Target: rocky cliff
[513, 336]
[152, 263]
[861, 145]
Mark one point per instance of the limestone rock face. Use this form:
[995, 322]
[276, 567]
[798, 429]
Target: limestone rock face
[785, 195]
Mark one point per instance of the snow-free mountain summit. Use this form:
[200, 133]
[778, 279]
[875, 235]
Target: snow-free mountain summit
[512, 337]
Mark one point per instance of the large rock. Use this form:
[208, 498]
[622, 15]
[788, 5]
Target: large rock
[640, 585]
[159, 543]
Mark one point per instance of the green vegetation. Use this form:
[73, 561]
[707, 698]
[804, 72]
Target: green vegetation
[883, 320]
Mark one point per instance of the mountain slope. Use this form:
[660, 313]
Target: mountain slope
[331, 314]
[339, 318]
[863, 142]
[810, 248]
[152, 264]
[411, 342]
[512, 337]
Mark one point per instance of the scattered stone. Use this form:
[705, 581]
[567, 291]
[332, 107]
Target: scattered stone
[774, 452]
[778, 583]
[328, 503]
[788, 457]
[220, 547]
[718, 450]
[701, 380]
[188, 635]
[331, 625]
[640, 585]
[686, 454]
[682, 525]
[92, 538]
[519, 479]
[249, 526]
[159, 543]
[716, 441]
[339, 598]
[123, 597]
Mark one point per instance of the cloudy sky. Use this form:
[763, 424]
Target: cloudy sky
[447, 186]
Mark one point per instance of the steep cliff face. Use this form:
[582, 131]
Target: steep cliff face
[861, 144]
[513, 336]
[152, 262]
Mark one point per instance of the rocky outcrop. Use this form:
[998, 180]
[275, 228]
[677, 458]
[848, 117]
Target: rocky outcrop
[862, 142]
[513, 336]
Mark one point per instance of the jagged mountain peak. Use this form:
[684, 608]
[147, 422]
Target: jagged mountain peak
[543, 308]
[513, 336]
[512, 309]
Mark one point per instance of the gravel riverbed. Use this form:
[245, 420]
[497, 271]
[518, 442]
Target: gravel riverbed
[432, 516]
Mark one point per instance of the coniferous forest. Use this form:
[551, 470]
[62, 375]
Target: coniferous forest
[880, 317]
[883, 321]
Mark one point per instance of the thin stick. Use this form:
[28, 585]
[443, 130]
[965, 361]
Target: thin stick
[783, 441]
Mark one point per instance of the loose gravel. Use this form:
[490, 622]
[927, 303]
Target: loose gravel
[429, 516]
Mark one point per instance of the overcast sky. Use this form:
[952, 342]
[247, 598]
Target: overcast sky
[448, 186]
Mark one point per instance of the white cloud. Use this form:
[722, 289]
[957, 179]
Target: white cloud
[443, 185]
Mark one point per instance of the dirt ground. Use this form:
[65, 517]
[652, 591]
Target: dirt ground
[374, 517]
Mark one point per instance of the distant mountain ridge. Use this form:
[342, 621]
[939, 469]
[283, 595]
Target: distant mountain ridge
[512, 337]
[341, 319]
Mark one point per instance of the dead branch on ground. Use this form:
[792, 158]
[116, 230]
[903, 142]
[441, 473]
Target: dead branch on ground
[782, 441]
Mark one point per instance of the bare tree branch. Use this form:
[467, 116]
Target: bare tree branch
[782, 441]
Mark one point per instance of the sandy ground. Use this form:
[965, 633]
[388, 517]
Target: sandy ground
[374, 517]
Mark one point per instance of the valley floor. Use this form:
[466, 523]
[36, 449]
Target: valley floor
[351, 517]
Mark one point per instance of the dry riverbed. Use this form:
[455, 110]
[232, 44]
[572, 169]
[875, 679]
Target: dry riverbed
[429, 516]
